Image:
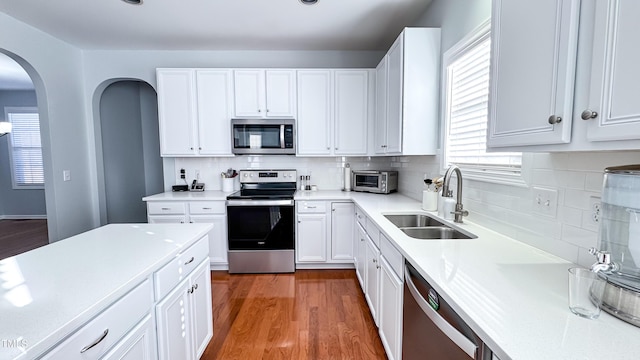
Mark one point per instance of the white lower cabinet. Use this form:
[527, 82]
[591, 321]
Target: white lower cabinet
[360, 254]
[183, 212]
[390, 310]
[184, 317]
[140, 344]
[324, 233]
[372, 279]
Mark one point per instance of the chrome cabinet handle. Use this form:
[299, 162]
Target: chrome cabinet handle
[310, 207]
[88, 347]
[588, 114]
[206, 208]
[166, 208]
[553, 119]
[195, 286]
[190, 290]
[190, 261]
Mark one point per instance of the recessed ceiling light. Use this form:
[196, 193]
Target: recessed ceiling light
[133, 2]
[308, 2]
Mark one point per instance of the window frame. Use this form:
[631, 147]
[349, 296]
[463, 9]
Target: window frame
[21, 110]
[515, 178]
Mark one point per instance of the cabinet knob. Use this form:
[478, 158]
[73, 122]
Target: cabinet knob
[267, 110]
[259, 110]
[553, 119]
[336, 148]
[328, 148]
[200, 148]
[588, 115]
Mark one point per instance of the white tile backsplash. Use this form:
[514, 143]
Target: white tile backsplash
[508, 209]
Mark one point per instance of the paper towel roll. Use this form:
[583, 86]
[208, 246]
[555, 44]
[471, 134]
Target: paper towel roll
[347, 178]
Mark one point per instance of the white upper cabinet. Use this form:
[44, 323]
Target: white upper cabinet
[265, 93]
[194, 111]
[613, 112]
[533, 60]
[177, 111]
[333, 112]
[407, 86]
[215, 91]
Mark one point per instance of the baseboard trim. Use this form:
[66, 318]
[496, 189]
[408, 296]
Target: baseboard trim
[23, 217]
[319, 266]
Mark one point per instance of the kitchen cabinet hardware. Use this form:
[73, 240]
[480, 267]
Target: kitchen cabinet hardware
[206, 208]
[165, 208]
[588, 115]
[190, 290]
[189, 261]
[96, 342]
[195, 286]
[554, 119]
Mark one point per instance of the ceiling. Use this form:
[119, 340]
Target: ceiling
[212, 25]
[220, 24]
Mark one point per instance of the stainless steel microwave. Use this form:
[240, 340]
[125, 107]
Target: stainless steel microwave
[380, 182]
[263, 137]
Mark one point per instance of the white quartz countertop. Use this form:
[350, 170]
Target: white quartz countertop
[512, 295]
[207, 195]
[48, 292]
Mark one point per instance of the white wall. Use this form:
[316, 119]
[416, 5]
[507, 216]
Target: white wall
[55, 68]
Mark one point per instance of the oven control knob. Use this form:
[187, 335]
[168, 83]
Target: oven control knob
[245, 175]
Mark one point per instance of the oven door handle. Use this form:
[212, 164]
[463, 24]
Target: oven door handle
[447, 329]
[260, 202]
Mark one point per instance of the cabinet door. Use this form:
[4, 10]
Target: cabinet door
[138, 344]
[174, 335]
[351, 112]
[217, 236]
[314, 112]
[361, 255]
[201, 311]
[176, 111]
[395, 84]
[529, 87]
[249, 91]
[280, 93]
[372, 278]
[615, 74]
[311, 236]
[380, 141]
[342, 222]
[214, 111]
[390, 310]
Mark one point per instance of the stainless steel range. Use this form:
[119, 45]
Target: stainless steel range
[261, 222]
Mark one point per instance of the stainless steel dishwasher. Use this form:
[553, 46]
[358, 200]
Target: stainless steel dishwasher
[431, 329]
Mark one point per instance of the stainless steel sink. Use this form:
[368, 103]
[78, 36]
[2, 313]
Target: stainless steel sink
[436, 232]
[426, 227]
[413, 220]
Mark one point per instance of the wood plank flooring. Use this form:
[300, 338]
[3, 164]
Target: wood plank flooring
[18, 236]
[311, 314]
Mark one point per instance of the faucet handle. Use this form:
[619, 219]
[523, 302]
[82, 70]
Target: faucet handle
[604, 257]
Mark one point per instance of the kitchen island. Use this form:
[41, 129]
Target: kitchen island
[50, 293]
[514, 296]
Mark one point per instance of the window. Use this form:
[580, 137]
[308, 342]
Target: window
[25, 148]
[465, 108]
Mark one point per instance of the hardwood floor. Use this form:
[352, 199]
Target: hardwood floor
[311, 314]
[18, 236]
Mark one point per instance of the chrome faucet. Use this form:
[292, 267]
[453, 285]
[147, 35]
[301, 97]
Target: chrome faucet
[604, 262]
[459, 212]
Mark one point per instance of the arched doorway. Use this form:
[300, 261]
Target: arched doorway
[129, 162]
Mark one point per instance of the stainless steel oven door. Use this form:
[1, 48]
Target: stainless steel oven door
[260, 224]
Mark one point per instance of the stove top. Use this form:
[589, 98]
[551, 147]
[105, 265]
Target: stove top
[266, 185]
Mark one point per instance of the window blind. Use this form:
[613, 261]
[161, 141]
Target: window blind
[26, 149]
[467, 86]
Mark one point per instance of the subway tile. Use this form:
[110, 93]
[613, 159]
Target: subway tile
[593, 181]
[579, 237]
[552, 161]
[570, 216]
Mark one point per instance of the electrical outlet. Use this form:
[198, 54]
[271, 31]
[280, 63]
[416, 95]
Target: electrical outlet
[66, 175]
[545, 201]
[595, 209]
[197, 174]
[183, 174]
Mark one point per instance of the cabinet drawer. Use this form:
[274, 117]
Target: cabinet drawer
[207, 207]
[393, 256]
[373, 232]
[104, 331]
[311, 206]
[166, 208]
[180, 267]
[361, 218]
